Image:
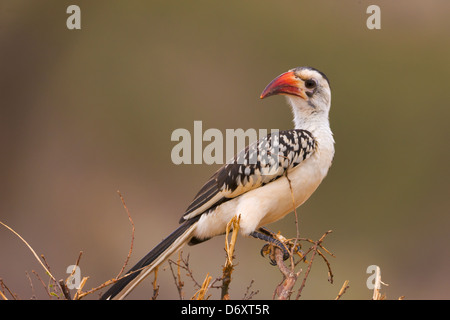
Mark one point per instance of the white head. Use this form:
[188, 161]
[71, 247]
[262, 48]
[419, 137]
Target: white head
[308, 92]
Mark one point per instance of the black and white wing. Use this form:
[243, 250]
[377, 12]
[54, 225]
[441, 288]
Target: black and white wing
[259, 163]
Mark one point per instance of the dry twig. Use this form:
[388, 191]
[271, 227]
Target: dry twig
[200, 294]
[249, 294]
[132, 235]
[33, 297]
[314, 251]
[31, 249]
[344, 288]
[80, 294]
[284, 290]
[65, 290]
[5, 287]
[177, 278]
[229, 249]
[377, 295]
[155, 285]
[3, 296]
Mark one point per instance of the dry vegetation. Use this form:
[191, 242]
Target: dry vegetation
[294, 270]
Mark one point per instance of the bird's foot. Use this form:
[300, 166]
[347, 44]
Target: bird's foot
[269, 250]
[276, 241]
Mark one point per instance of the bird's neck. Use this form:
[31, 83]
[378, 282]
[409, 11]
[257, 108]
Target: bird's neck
[315, 120]
[308, 117]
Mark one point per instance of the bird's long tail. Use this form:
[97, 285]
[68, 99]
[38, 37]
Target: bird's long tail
[152, 260]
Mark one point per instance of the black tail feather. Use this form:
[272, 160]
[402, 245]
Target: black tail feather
[148, 259]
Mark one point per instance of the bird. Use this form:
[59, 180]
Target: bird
[262, 183]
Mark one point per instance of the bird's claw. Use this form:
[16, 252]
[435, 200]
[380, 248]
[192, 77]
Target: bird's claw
[273, 240]
[267, 249]
[285, 247]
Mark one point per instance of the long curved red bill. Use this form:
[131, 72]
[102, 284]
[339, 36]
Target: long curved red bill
[285, 83]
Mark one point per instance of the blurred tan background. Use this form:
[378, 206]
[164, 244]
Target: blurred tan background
[87, 112]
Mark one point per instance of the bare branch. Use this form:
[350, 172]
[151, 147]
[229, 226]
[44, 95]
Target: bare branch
[344, 288]
[155, 285]
[65, 290]
[5, 287]
[229, 249]
[314, 251]
[132, 235]
[284, 289]
[33, 297]
[31, 249]
[200, 294]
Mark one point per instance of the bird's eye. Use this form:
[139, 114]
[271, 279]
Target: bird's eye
[310, 83]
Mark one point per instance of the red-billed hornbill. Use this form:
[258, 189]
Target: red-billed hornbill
[263, 182]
